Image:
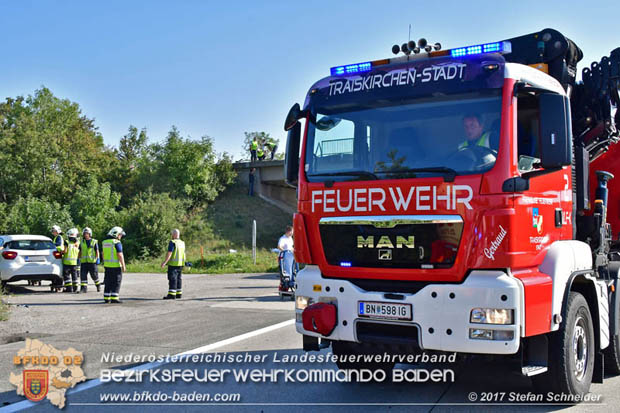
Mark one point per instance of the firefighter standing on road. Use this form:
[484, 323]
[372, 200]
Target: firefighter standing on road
[70, 259]
[58, 241]
[89, 256]
[175, 258]
[114, 265]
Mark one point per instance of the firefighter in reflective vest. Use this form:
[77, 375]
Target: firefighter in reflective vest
[260, 153]
[272, 145]
[114, 265]
[175, 258]
[58, 241]
[474, 132]
[89, 256]
[70, 260]
[253, 149]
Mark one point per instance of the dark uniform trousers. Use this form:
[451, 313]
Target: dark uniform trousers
[174, 281]
[70, 276]
[112, 281]
[88, 268]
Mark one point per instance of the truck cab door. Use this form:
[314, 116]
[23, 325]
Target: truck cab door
[544, 209]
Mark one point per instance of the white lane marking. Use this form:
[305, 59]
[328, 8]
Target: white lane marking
[241, 337]
[96, 382]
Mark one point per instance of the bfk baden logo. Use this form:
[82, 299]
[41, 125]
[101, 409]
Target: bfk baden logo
[47, 372]
[36, 384]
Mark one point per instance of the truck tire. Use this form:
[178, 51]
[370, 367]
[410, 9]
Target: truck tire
[571, 351]
[345, 348]
[612, 354]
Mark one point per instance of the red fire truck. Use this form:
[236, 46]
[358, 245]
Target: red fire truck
[457, 201]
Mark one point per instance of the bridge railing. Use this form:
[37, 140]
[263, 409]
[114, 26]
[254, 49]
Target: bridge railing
[334, 146]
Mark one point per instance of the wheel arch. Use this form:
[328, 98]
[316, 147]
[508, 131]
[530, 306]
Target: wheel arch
[564, 261]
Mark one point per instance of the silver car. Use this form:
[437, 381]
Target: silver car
[31, 258]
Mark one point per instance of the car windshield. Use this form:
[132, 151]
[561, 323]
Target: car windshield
[30, 245]
[456, 134]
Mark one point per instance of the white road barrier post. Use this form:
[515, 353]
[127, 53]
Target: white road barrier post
[254, 241]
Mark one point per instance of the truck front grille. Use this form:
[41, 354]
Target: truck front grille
[411, 241]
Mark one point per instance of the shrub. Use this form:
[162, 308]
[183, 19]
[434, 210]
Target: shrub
[148, 222]
[93, 205]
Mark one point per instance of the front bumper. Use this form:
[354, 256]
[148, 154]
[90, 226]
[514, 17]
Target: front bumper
[440, 311]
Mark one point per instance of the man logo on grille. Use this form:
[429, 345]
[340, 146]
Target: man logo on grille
[385, 242]
[385, 255]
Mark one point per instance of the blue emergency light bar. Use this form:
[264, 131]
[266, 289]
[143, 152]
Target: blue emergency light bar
[497, 47]
[345, 264]
[358, 68]
[351, 69]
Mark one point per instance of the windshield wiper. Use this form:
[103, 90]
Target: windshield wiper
[448, 173]
[361, 174]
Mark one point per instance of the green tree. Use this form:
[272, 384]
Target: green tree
[49, 147]
[188, 169]
[133, 147]
[4, 210]
[135, 168]
[224, 172]
[55, 170]
[36, 216]
[93, 205]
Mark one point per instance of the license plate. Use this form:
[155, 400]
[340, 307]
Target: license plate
[35, 259]
[391, 311]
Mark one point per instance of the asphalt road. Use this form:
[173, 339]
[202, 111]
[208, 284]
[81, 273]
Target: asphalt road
[221, 314]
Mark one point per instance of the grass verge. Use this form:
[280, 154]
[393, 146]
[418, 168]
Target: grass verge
[4, 308]
[219, 263]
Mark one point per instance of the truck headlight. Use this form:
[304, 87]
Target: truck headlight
[491, 316]
[301, 302]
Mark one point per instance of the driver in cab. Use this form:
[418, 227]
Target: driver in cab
[474, 132]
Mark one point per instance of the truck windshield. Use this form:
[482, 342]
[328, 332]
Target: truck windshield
[452, 135]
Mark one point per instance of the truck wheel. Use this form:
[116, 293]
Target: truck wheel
[612, 354]
[345, 348]
[571, 351]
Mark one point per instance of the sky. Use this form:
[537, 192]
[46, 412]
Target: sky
[222, 68]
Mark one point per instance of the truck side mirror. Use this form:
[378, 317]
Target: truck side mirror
[291, 163]
[293, 116]
[556, 139]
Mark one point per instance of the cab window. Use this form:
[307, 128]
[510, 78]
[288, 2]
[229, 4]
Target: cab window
[528, 118]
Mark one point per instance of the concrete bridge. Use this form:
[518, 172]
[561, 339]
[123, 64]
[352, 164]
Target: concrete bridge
[269, 183]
